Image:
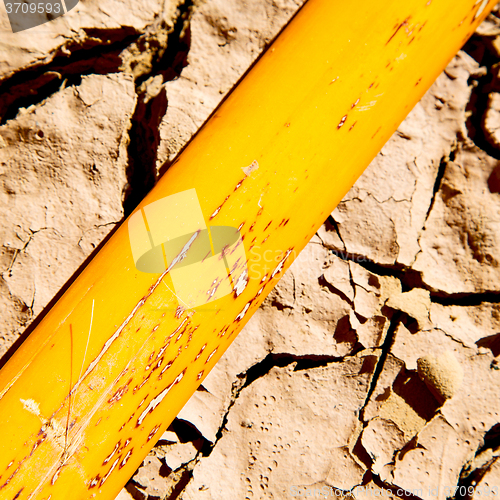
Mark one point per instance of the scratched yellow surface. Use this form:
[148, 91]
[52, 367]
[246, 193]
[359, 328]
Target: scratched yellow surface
[107, 369]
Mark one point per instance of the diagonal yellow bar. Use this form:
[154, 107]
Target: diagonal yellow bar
[107, 369]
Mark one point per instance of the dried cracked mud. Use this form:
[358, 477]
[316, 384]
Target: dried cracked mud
[373, 368]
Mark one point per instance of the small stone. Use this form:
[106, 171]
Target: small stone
[443, 375]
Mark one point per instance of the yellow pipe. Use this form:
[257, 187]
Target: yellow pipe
[108, 368]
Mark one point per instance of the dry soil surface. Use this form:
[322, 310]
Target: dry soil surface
[373, 368]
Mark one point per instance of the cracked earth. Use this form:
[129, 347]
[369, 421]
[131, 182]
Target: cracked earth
[373, 368]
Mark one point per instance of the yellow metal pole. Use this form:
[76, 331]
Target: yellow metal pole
[108, 368]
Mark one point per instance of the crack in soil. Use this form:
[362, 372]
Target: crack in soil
[145, 133]
[385, 348]
[393, 489]
[97, 53]
[437, 185]
[481, 87]
[465, 299]
[474, 470]
[244, 379]
[410, 279]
